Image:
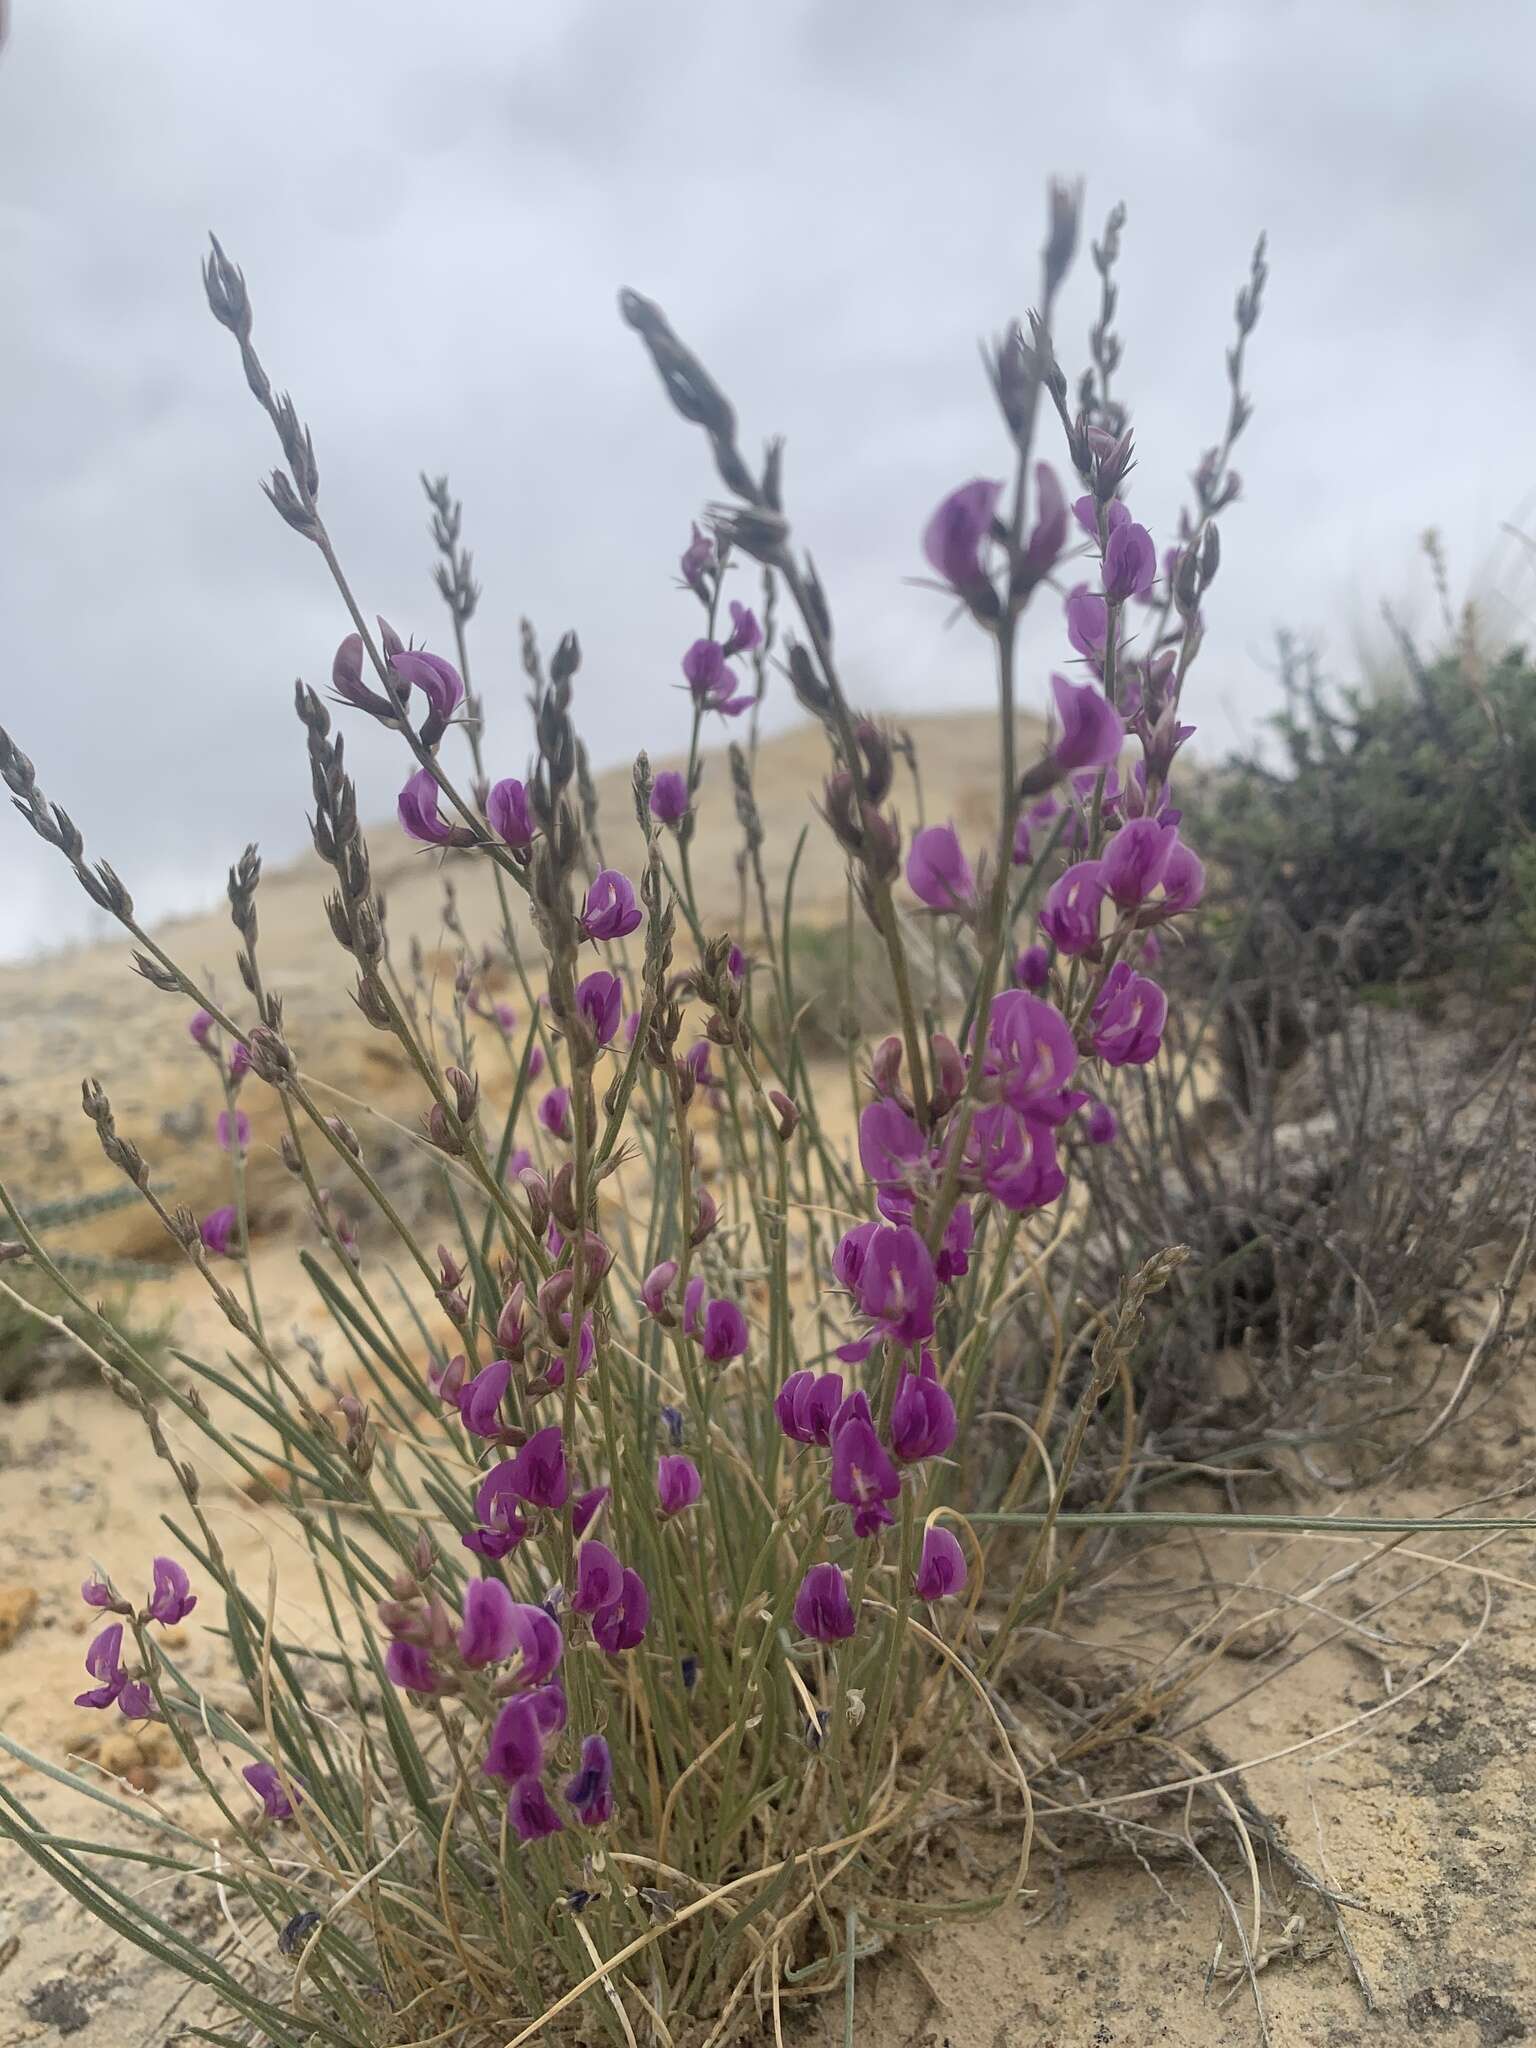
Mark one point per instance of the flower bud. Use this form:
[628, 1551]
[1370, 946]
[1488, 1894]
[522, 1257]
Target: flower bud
[466, 1093]
[562, 1197]
[789, 1114]
[706, 1215]
[536, 1188]
[885, 1067]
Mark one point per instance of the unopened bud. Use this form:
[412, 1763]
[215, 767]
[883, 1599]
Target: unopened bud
[806, 683]
[706, 1215]
[466, 1093]
[789, 1114]
[885, 1067]
[536, 1188]
[948, 1073]
[562, 1197]
[440, 1133]
[344, 1134]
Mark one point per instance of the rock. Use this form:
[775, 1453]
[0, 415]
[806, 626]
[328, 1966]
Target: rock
[18, 1604]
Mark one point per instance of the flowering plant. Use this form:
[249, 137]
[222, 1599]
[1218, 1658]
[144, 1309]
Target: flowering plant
[663, 1592]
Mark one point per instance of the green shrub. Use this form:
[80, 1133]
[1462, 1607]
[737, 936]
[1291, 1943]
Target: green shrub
[1397, 834]
[32, 1350]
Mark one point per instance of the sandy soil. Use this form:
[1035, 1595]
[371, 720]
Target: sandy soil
[1372, 1722]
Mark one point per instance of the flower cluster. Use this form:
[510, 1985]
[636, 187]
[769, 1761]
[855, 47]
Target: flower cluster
[507, 1651]
[170, 1601]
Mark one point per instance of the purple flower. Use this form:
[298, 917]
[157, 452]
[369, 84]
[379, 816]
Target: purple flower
[172, 1599]
[724, 1332]
[446, 1379]
[531, 1811]
[698, 556]
[1130, 562]
[507, 812]
[954, 1260]
[599, 999]
[897, 1285]
[622, 1626]
[518, 1740]
[922, 1415]
[848, 1259]
[1135, 859]
[199, 1026]
[823, 1609]
[1183, 883]
[610, 910]
[941, 1567]
[523, 1731]
[1086, 513]
[1128, 1017]
[438, 680]
[599, 1578]
[539, 1647]
[893, 1152]
[408, 1666]
[1087, 622]
[746, 633]
[952, 541]
[1092, 730]
[807, 1403]
[498, 1630]
[97, 1593]
[863, 1477]
[1069, 915]
[938, 872]
[233, 1131]
[585, 1507]
[136, 1701]
[219, 1230]
[277, 1799]
[678, 1484]
[1030, 1051]
[857, 1404]
[420, 818]
[103, 1661]
[1032, 969]
[669, 797]
[1049, 535]
[538, 1470]
[1014, 1158]
[589, 1794]
[501, 1528]
[656, 1289]
[712, 680]
[490, 1632]
[1101, 1125]
[554, 1112]
[693, 1301]
[480, 1398]
[705, 672]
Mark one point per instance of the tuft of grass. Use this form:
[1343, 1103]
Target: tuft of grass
[32, 1352]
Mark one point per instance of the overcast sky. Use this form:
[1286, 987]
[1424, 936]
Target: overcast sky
[435, 206]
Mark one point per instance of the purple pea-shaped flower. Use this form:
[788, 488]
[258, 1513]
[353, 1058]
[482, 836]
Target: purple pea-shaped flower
[823, 1609]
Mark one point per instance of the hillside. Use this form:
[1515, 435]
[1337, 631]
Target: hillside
[87, 1013]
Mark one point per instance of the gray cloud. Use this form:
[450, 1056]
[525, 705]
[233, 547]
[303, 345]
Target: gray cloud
[434, 209]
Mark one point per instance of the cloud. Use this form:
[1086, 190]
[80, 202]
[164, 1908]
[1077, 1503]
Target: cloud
[435, 211]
